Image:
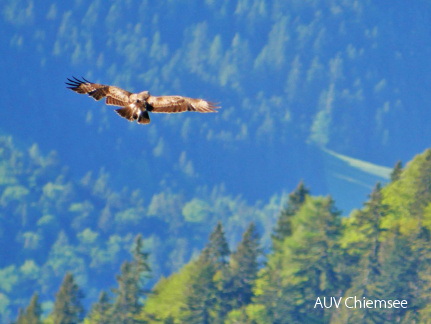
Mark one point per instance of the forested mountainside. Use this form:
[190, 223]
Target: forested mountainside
[291, 76]
[381, 252]
[51, 223]
[333, 93]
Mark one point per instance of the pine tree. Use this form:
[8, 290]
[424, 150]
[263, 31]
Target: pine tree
[317, 256]
[21, 317]
[284, 225]
[422, 186]
[127, 305]
[396, 172]
[205, 300]
[367, 224]
[68, 308]
[217, 249]
[140, 260]
[305, 266]
[101, 311]
[217, 253]
[400, 277]
[244, 266]
[32, 313]
[201, 297]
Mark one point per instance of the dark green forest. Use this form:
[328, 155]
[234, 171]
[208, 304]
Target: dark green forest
[381, 251]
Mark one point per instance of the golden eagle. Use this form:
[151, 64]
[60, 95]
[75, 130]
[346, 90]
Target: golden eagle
[135, 106]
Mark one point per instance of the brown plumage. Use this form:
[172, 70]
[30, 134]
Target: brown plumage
[135, 106]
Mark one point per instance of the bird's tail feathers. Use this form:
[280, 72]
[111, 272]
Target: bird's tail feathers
[144, 118]
[132, 114]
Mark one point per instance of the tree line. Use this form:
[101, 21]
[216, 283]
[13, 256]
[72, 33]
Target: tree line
[51, 222]
[380, 251]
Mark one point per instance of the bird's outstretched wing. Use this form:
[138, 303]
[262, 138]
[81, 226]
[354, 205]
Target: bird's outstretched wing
[114, 95]
[177, 104]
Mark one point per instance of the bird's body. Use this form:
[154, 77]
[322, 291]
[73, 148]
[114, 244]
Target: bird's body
[135, 106]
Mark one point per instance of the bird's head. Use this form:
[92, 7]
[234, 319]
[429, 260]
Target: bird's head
[144, 95]
[140, 97]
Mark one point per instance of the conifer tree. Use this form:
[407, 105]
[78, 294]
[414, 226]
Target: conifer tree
[283, 228]
[140, 260]
[205, 301]
[305, 266]
[422, 186]
[101, 311]
[396, 172]
[400, 277]
[32, 313]
[278, 300]
[127, 305]
[367, 223]
[201, 297]
[217, 249]
[244, 267]
[317, 257]
[21, 317]
[68, 308]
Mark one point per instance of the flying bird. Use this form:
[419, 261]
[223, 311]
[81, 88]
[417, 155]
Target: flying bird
[135, 106]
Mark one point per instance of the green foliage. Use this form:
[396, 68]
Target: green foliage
[87, 237]
[129, 217]
[213, 284]
[362, 243]
[305, 266]
[68, 307]
[196, 211]
[32, 314]
[284, 222]
[396, 172]
[401, 265]
[217, 250]
[4, 304]
[409, 196]
[52, 224]
[365, 226]
[320, 129]
[299, 44]
[203, 295]
[167, 298]
[30, 270]
[13, 193]
[101, 311]
[243, 269]
[127, 305]
[318, 254]
[8, 278]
